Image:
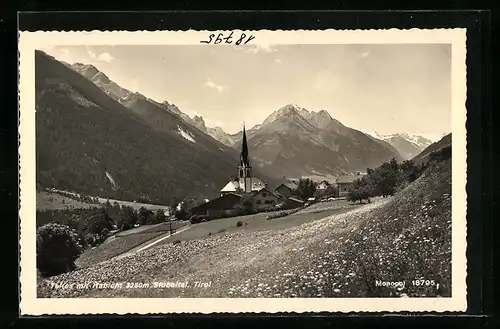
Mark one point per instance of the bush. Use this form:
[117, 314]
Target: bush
[278, 215]
[182, 214]
[144, 216]
[159, 217]
[104, 234]
[57, 248]
[195, 219]
[245, 207]
[240, 223]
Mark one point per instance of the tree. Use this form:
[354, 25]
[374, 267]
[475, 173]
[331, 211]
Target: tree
[394, 164]
[360, 191]
[129, 218]
[95, 222]
[410, 170]
[331, 191]
[305, 189]
[144, 216]
[57, 248]
[159, 216]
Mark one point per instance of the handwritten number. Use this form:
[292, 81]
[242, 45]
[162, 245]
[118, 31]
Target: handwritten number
[229, 39]
[243, 36]
[251, 37]
[209, 40]
[218, 40]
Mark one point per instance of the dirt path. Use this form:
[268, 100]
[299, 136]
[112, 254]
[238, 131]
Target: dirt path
[150, 243]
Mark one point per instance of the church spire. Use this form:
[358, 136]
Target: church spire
[244, 150]
[244, 169]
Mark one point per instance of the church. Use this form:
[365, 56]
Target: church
[245, 185]
[245, 182]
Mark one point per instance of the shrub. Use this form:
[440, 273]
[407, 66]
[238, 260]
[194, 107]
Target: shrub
[104, 234]
[159, 217]
[57, 248]
[182, 214]
[195, 219]
[278, 215]
[245, 207]
[144, 216]
[240, 223]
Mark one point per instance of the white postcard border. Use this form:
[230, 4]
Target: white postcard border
[31, 305]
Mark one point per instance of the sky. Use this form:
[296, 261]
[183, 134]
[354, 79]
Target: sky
[387, 88]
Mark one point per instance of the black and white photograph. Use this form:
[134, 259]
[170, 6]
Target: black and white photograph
[266, 169]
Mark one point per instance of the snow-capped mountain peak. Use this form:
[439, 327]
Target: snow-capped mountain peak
[408, 144]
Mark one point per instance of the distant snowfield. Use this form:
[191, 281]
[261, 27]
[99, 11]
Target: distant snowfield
[411, 137]
[185, 134]
[111, 180]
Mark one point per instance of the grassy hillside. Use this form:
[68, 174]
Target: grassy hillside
[423, 156]
[402, 238]
[46, 200]
[90, 143]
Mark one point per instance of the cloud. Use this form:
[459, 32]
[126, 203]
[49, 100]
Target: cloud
[105, 57]
[211, 84]
[257, 48]
[91, 53]
[277, 61]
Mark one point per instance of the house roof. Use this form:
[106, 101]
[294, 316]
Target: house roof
[234, 185]
[226, 201]
[265, 189]
[291, 185]
[295, 200]
[344, 179]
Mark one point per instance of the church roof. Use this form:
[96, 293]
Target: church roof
[233, 186]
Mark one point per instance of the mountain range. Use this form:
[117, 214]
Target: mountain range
[408, 145]
[95, 137]
[295, 142]
[92, 136]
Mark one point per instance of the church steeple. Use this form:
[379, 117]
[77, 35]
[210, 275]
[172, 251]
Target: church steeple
[244, 150]
[245, 169]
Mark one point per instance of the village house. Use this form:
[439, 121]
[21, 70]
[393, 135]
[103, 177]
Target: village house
[290, 203]
[216, 207]
[265, 199]
[286, 188]
[346, 182]
[322, 186]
